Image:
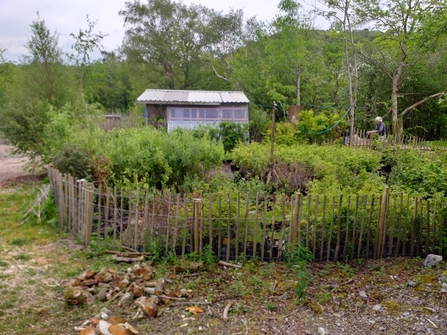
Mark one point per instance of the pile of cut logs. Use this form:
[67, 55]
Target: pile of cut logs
[135, 287]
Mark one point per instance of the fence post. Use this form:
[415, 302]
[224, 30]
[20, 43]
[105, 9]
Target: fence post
[88, 214]
[196, 219]
[381, 224]
[296, 231]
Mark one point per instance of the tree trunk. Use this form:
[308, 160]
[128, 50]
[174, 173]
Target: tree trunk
[396, 128]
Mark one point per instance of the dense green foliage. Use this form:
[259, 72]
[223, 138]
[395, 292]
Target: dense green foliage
[139, 157]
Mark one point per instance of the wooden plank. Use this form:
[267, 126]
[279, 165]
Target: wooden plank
[98, 230]
[196, 222]
[161, 220]
[314, 248]
[219, 229]
[255, 225]
[121, 215]
[329, 242]
[201, 223]
[238, 214]
[115, 214]
[185, 223]
[433, 244]
[137, 220]
[145, 223]
[441, 236]
[299, 206]
[247, 206]
[89, 216]
[106, 219]
[362, 224]
[210, 221]
[405, 232]
[427, 229]
[337, 246]
[354, 228]
[152, 217]
[400, 227]
[168, 224]
[421, 227]
[348, 209]
[385, 219]
[323, 227]
[393, 222]
[368, 228]
[177, 213]
[272, 235]
[264, 228]
[227, 256]
[283, 227]
[309, 204]
[415, 211]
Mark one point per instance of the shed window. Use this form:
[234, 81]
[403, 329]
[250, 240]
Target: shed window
[239, 114]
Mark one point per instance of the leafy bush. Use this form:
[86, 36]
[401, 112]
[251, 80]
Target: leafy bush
[312, 168]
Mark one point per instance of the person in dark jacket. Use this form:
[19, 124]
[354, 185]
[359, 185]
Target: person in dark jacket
[380, 128]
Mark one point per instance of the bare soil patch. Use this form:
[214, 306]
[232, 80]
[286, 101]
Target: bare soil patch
[13, 167]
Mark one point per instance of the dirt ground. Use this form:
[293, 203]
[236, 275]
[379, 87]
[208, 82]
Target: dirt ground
[12, 167]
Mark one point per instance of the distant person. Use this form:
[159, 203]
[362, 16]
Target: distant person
[380, 128]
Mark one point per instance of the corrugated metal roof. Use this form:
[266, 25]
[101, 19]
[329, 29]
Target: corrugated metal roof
[191, 97]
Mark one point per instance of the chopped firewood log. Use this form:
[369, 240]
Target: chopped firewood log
[75, 296]
[149, 290]
[89, 274]
[181, 293]
[159, 289]
[230, 265]
[128, 259]
[150, 284]
[119, 330]
[154, 299]
[169, 293]
[193, 267]
[150, 309]
[89, 282]
[137, 291]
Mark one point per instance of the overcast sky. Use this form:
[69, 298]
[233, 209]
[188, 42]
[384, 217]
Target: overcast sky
[69, 16]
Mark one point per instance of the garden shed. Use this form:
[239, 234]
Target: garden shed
[188, 109]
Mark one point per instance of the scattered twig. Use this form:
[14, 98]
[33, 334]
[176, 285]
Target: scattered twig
[432, 323]
[191, 274]
[237, 266]
[185, 303]
[226, 310]
[171, 298]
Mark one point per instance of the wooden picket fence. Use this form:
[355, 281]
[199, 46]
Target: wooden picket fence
[261, 226]
[360, 138]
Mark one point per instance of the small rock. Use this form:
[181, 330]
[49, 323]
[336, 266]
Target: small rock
[377, 307]
[322, 331]
[106, 311]
[441, 278]
[411, 283]
[431, 260]
[363, 295]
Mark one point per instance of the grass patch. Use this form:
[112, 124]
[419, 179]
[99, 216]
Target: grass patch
[21, 241]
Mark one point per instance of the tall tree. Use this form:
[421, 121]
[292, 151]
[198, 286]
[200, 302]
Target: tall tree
[86, 41]
[166, 35]
[398, 48]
